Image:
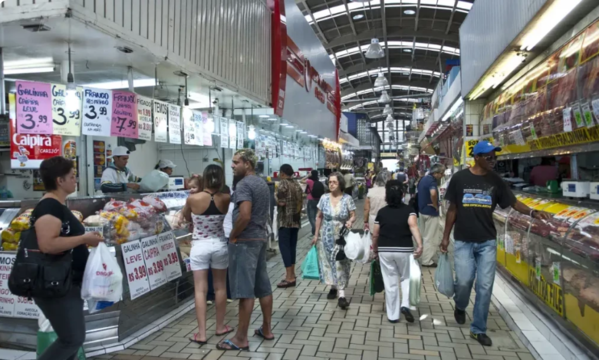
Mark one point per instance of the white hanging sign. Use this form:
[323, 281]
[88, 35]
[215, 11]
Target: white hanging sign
[224, 132]
[170, 258]
[240, 134]
[97, 112]
[135, 269]
[144, 118]
[160, 117]
[199, 127]
[174, 124]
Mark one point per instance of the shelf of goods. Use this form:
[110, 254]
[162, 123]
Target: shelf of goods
[153, 257]
[557, 260]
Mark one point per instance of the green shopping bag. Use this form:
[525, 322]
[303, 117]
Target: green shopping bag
[45, 339]
[310, 269]
[376, 278]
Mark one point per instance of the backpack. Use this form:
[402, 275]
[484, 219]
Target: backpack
[317, 190]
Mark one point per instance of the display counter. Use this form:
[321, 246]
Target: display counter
[556, 260]
[153, 262]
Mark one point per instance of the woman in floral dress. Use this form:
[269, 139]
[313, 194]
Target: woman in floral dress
[335, 210]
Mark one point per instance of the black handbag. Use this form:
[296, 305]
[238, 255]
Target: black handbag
[38, 275]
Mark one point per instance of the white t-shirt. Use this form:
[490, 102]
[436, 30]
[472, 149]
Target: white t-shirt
[228, 223]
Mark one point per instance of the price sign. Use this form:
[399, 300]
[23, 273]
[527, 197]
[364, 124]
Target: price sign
[224, 132]
[199, 128]
[170, 258]
[144, 118]
[25, 308]
[240, 134]
[124, 114]
[174, 124]
[189, 127]
[97, 112]
[160, 116]
[208, 126]
[578, 116]
[34, 108]
[595, 105]
[588, 115]
[567, 114]
[153, 260]
[7, 299]
[135, 268]
[470, 144]
[66, 121]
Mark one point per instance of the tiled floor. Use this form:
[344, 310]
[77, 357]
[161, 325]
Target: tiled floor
[308, 326]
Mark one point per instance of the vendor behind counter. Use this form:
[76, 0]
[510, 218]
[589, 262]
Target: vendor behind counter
[543, 173]
[117, 177]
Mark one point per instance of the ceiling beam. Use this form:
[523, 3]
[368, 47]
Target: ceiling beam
[421, 63]
[366, 86]
[391, 33]
[351, 21]
[455, 4]
[324, 39]
[417, 15]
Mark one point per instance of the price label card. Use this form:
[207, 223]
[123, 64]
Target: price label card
[208, 125]
[567, 114]
[199, 128]
[578, 116]
[556, 272]
[595, 105]
[189, 127]
[174, 124]
[89, 229]
[240, 134]
[588, 115]
[144, 118]
[97, 112]
[170, 259]
[124, 114]
[7, 299]
[533, 132]
[160, 116]
[135, 268]
[34, 108]
[153, 260]
[67, 121]
[224, 132]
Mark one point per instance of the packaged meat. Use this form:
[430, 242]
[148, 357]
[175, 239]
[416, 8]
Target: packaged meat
[20, 223]
[114, 205]
[128, 211]
[143, 208]
[95, 220]
[155, 202]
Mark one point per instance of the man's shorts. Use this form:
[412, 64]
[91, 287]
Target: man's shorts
[209, 253]
[248, 278]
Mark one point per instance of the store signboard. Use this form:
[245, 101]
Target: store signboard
[67, 122]
[124, 114]
[34, 108]
[135, 268]
[12, 305]
[97, 112]
[160, 116]
[170, 258]
[174, 124]
[153, 261]
[27, 151]
[144, 118]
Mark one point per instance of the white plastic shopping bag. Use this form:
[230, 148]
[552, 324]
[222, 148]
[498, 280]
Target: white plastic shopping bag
[102, 279]
[444, 277]
[415, 281]
[353, 246]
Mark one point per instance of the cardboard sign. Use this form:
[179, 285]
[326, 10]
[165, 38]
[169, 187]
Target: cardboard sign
[144, 118]
[27, 151]
[97, 112]
[174, 124]
[12, 305]
[67, 122]
[34, 108]
[135, 268]
[160, 117]
[170, 258]
[153, 261]
[124, 114]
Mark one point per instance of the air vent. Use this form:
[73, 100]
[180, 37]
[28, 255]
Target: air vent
[36, 27]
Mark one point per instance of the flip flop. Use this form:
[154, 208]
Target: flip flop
[229, 330]
[260, 333]
[286, 284]
[231, 346]
[195, 336]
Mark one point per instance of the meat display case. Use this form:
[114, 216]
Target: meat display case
[555, 260]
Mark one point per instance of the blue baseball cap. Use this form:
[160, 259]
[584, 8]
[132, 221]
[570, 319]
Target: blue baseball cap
[484, 147]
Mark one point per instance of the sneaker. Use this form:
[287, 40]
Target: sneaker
[460, 316]
[209, 302]
[332, 294]
[343, 304]
[393, 321]
[229, 301]
[482, 339]
[407, 314]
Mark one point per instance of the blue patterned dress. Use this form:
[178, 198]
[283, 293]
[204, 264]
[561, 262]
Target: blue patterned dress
[333, 272]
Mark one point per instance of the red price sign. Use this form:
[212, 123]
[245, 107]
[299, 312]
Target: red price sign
[170, 259]
[124, 114]
[135, 267]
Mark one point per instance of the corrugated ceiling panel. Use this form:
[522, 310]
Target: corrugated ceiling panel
[488, 29]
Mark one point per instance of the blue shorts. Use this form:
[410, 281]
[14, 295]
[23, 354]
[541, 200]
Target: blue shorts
[248, 277]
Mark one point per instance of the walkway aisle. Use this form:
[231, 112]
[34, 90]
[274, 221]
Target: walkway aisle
[309, 326]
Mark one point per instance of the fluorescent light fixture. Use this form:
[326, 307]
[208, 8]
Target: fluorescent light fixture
[407, 50]
[452, 109]
[358, 16]
[501, 71]
[264, 116]
[549, 19]
[30, 70]
[123, 84]
[381, 80]
[29, 66]
[409, 12]
[201, 101]
[384, 98]
[374, 51]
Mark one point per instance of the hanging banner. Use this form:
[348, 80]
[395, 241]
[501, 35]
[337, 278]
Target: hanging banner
[208, 128]
[67, 122]
[124, 114]
[224, 132]
[240, 134]
[199, 127]
[170, 259]
[232, 134]
[144, 118]
[160, 116]
[135, 269]
[192, 128]
[34, 108]
[97, 112]
[153, 261]
[174, 124]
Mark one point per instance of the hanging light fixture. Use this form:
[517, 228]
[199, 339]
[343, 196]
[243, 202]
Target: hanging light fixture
[385, 99]
[389, 118]
[387, 110]
[73, 103]
[381, 80]
[252, 132]
[374, 51]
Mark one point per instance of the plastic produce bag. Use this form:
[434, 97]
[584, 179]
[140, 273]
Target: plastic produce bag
[376, 278]
[354, 249]
[310, 268]
[153, 181]
[444, 276]
[46, 336]
[102, 279]
[415, 281]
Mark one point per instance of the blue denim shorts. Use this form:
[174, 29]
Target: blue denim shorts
[248, 277]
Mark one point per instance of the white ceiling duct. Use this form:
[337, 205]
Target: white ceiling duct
[381, 81]
[384, 99]
[374, 51]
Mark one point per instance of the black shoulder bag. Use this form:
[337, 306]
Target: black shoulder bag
[38, 275]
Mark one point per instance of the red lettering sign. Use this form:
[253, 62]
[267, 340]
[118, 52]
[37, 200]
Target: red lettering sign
[27, 151]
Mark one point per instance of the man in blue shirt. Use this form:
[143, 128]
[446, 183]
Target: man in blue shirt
[428, 206]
